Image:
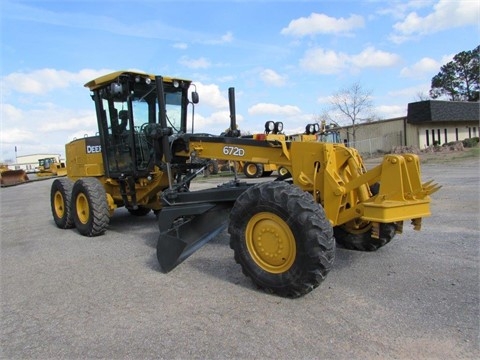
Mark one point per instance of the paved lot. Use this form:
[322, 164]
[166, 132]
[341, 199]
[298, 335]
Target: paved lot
[64, 296]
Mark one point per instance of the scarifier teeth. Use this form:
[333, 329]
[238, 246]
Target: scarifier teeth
[430, 188]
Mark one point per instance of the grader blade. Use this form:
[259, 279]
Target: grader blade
[186, 228]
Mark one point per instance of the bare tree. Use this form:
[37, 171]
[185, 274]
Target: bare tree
[353, 102]
[421, 96]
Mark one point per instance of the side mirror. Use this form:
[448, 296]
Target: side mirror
[195, 97]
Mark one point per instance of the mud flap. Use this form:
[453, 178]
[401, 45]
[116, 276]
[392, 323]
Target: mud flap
[185, 228]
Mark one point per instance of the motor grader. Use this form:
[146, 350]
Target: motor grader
[282, 231]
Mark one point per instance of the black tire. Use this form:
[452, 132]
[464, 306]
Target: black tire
[90, 207]
[140, 211]
[252, 170]
[293, 227]
[357, 235]
[267, 173]
[212, 167]
[360, 238]
[60, 201]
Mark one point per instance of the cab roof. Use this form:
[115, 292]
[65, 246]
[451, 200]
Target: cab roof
[109, 78]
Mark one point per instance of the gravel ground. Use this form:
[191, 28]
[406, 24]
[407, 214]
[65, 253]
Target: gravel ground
[64, 296]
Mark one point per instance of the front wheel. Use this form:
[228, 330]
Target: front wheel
[281, 238]
[90, 207]
[60, 198]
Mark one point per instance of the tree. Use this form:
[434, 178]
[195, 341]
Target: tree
[459, 79]
[352, 102]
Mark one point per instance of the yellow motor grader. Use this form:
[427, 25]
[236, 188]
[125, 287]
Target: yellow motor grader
[282, 231]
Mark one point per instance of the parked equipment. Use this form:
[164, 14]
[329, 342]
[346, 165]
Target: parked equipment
[12, 177]
[281, 232]
[51, 167]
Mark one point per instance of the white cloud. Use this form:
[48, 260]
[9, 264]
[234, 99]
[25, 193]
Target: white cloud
[225, 38]
[271, 77]
[215, 123]
[446, 14]
[322, 24]
[410, 93]
[181, 46]
[47, 124]
[211, 96]
[274, 109]
[425, 66]
[390, 111]
[399, 9]
[370, 57]
[323, 61]
[200, 63]
[42, 81]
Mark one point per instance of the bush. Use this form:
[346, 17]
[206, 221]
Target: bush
[469, 143]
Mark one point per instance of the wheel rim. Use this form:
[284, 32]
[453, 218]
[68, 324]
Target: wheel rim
[59, 204]
[83, 209]
[270, 242]
[282, 171]
[358, 226]
[251, 169]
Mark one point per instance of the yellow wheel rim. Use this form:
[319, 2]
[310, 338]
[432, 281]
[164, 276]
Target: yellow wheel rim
[282, 171]
[59, 204]
[83, 209]
[251, 169]
[270, 242]
[358, 226]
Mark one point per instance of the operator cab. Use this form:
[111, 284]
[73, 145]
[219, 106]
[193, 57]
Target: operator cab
[127, 114]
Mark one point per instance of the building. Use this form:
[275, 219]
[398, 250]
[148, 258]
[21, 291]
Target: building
[441, 122]
[427, 123]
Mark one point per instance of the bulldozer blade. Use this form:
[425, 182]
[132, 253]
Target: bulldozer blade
[13, 177]
[191, 226]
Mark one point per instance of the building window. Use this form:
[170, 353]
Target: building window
[446, 139]
[469, 132]
[439, 138]
[456, 134]
[427, 137]
[474, 131]
[433, 136]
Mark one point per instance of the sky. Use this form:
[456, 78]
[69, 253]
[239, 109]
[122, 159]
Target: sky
[285, 59]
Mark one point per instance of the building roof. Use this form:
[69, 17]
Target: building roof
[434, 110]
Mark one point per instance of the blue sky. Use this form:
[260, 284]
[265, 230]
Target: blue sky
[284, 58]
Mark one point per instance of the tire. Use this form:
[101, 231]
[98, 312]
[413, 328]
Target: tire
[293, 227]
[140, 211]
[213, 167]
[252, 170]
[267, 173]
[60, 201]
[90, 207]
[360, 237]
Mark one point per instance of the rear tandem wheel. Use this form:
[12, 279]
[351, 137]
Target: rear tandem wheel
[281, 238]
[252, 170]
[90, 207]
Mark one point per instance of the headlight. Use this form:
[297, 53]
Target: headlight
[278, 127]
[269, 126]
